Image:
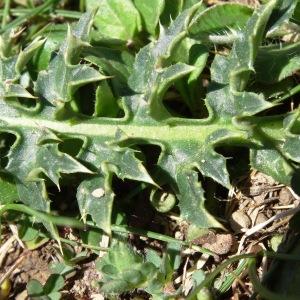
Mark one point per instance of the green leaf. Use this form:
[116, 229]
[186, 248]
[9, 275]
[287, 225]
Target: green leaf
[55, 296]
[115, 63]
[60, 82]
[27, 232]
[171, 11]
[54, 283]
[281, 15]
[64, 76]
[61, 268]
[116, 19]
[150, 77]
[296, 14]
[106, 104]
[150, 12]
[213, 165]
[26, 54]
[220, 21]
[91, 237]
[37, 158]
[283, 276]
[272, 163]
[275, 63]
[290, 147]
[246, 47]
[95, 198]
[16, 90]
[55, 34]
[191, 200]
[153, 257]
[9, 193]
[162, 202]
[191, 52]
[107, 146]
[34, 288]
[11, 68]
[119, 160]
[122, 270]
[226, 103]
[230, 75]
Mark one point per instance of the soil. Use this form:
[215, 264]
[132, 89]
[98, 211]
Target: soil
[252, 201]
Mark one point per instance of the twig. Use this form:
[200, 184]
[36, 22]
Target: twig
[12, 268]
[283, 206]
[260, 226]
[14, 231]
[5, 248]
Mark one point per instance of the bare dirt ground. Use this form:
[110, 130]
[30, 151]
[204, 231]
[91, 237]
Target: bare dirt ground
[251, 204]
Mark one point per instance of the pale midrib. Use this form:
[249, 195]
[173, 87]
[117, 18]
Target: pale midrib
[194, 132]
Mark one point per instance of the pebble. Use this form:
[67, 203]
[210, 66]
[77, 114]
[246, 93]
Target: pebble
[285, 196]
[239, 220]
[261, 218]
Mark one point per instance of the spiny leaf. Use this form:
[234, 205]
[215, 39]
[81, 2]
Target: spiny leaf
[226, 103]
[59, 84]
[95, 197]
[117, 64]
[274, 63]
[150, 71]
[230, 74]
[282, 13]
[188, 147]
[123, 270]
[191, 200]
[245, 48]
[10, 71]
[64, 76]
[220, 21]
[8, 190]
[120, 160]
[271, 162]
[28, 158]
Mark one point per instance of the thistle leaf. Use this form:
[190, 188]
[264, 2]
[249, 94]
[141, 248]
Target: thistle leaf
[10, 71]
[95, 198]
[191, 200]
[28, 158]
[109, 144]
[230, 75]
[271, 162]
[64, 76]
[150, 69]
[59, 83]
[220, 21]
[275, 63]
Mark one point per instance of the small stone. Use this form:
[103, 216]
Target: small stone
[219, 243]
[261, 218]
[224, 243]
[285, 196]
[255, 249]
[239, 220]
